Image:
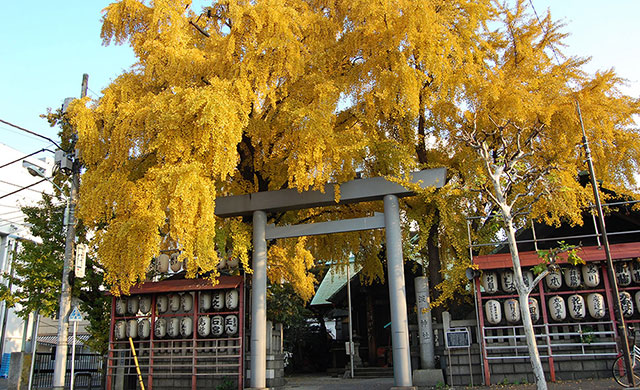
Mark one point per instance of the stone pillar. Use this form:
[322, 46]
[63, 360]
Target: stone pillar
[259, 303]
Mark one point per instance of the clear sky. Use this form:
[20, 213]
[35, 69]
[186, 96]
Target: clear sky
[46, 46]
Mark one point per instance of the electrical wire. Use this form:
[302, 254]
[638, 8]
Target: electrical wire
[23, 188]
[32, 133]
[23, 157]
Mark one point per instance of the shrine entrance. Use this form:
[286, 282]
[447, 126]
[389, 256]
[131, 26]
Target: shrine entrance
[259, 204]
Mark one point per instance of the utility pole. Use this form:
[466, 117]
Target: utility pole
[613, 281]
[60, 364]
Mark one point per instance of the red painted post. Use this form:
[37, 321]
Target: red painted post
[485, 361]
[545, 318]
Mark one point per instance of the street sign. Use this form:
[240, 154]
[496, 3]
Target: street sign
[75, 315]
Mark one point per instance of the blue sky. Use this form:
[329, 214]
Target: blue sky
[46, 46]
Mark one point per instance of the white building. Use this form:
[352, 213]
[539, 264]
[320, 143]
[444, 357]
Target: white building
[17, 189]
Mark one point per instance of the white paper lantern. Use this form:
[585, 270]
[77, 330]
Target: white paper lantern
[231, 324]
[132, 329]
[145, 304]
[493, 312]
[174, 263]
[160, 328]
[511, 310]
[637, 296]
[217, 326]
[595, 304]
[162, 304]
[623, 274]
[554, 279]
[217, 300]
[626, 304]
[174, 302]
[162, 263]
[186, 326]
[173, 327]
[527, 278]
[507, 280]
[534, 310]
[204, 326]
[577, 309]
[557, 308]
[591, 275]
[120, 330]
[572, 277]
[490, 282]
[635, 271]
[121, 306]
[133, 303]
[186, 301]
[231, 299]
[205, 301]
[233, 262]
[144, 328]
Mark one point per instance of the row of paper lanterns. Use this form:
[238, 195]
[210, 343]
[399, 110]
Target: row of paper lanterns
[577, 309]
[573, 278]
[626, 273]
[215, 300]
[165, 262]
[175, 327]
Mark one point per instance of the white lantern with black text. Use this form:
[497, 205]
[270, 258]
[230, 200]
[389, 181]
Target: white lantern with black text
[217, 300]
[554, 279]
[493, 312]
[186, 301]
[175, 264]
[577, 309]
[534, 310]
[133, 304]
[231, 324]
[527, 278]
[160, 328]
[595, 304]
[132, 329]
[162, 304]
[144, 328]
[490, 282]
[512, 310]
[217, 326]
[120, 330]
[186, 326]
[174, 302]
[231, 298]
[204, 326]
[121, 306]
[145, 304]
[623, 274]
[572, 277]
[557, 308]
[173, 326]
[626, 304]
[508, 284]
[591, 275]
[205, 301]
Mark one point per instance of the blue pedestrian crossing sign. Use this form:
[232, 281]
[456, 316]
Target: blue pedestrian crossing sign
[75, 315]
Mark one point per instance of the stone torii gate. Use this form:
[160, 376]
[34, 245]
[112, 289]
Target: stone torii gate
[359, 190]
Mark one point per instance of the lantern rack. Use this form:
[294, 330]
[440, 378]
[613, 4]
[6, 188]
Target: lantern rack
[187, 358]
[586, 337]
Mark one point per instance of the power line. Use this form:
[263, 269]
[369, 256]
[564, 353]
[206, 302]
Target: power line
[23, 157]
[32, 133]
[23, 188]
[20, 186]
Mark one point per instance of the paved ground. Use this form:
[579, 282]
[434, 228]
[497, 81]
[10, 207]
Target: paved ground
[328, 383]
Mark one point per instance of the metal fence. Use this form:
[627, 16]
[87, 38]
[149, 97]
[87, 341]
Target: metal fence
[89, 371]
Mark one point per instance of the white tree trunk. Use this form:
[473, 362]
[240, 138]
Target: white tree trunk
[523, 299]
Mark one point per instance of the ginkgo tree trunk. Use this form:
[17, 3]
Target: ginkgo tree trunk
[501, 178]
